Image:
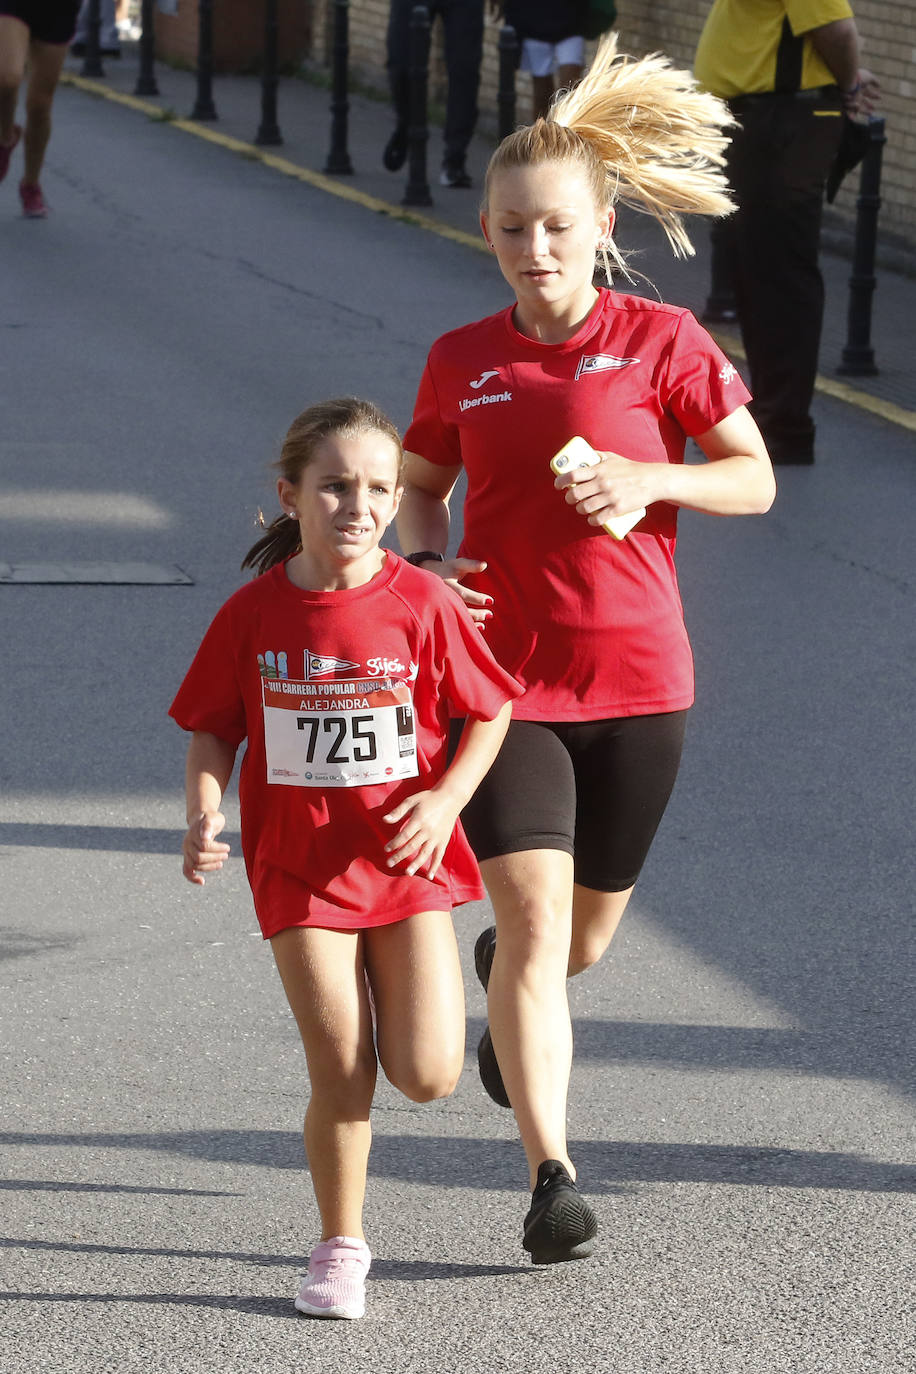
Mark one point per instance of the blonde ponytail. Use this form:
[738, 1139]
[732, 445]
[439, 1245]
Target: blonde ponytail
[645, 133]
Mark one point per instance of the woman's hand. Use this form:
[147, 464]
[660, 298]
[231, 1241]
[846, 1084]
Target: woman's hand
[615, 486]
[429, 820]
[452, 570]
[200, 852]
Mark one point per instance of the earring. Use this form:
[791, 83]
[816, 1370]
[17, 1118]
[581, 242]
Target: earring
[292, 515]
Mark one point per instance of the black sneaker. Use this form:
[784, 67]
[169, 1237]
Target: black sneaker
[455, 176]
[560, 1225]
[484, 950]
[487, 1065]
[488, 1068]
[395, 154]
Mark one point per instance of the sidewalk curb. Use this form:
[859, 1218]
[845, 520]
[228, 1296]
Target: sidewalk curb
[827, 386]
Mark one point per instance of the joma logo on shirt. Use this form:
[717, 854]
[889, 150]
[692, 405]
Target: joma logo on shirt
[484, 377]
[470, 402]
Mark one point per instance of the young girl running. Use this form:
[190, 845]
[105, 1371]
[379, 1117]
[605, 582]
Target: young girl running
[592, 627]
[340, 664]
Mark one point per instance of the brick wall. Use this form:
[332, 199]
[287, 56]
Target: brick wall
[887, 29]
[238, 34]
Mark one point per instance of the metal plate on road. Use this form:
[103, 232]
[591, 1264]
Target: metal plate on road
[131, 574]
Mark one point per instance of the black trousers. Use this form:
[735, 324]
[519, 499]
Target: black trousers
[777, 164]
[462, 22]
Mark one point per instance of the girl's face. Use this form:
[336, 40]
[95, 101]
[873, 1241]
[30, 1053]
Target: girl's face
[545, 228]
[345, 499]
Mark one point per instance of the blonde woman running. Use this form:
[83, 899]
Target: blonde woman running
[591, 626]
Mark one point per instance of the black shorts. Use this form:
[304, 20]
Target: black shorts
[48, 21]
[595, 789]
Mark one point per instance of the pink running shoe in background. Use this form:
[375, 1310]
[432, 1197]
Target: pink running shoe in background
[33, 202]
[6, 151]
[335, 1285]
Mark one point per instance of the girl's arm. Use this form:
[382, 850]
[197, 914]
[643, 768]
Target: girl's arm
[423, 523]
[737, 480]
[429, 817]
[207, 773]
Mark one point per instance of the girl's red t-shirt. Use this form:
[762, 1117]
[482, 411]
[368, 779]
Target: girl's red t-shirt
[344, 699]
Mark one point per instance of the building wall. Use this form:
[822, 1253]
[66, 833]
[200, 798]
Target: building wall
[887, 29]
[238, 34]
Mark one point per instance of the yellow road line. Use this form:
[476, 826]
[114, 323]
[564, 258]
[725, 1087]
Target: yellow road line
[841, 391]
[279, 164]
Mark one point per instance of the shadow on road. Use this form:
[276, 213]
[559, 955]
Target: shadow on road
[456, 1162]
[121, 839]
[252, 1306]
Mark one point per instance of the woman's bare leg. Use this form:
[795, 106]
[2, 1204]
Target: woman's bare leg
[45, 63]
[596, 916]
[532, 895]
[14, 53]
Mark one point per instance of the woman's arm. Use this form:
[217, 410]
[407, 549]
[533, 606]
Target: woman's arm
[737, 479]
[429, 817]
[423, 516]
[423, 523]
[207, 773]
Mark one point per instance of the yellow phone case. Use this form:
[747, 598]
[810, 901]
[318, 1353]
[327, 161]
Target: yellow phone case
[578, 453]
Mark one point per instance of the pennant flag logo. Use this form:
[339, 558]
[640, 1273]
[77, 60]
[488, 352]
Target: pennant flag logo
[602, 362]
[325, 665]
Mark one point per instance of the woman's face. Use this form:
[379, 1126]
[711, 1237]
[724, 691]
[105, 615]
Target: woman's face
[545, 228]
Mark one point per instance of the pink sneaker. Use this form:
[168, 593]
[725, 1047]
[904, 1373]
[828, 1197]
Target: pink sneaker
[6, 151]
[335, 1285]
[33, 202]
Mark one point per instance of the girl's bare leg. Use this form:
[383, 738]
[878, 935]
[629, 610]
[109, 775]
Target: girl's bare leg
[532, 897]
[324, 979]
[416, 982]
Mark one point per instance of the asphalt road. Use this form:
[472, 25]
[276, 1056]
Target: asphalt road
[742, 1101]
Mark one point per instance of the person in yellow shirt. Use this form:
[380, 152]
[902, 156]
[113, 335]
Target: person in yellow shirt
[789, 70]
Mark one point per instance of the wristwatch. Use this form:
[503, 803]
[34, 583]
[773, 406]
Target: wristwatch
[425, 556]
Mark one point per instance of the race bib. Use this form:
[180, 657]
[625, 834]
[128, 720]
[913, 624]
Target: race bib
[338, 734]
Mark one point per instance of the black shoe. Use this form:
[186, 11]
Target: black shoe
[487, 1066]
[455, 176]
[786, 455]
[560, 1225]
[395, 154]
[79, 50]
[790, 449]
[484, 950]
[719, 314]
